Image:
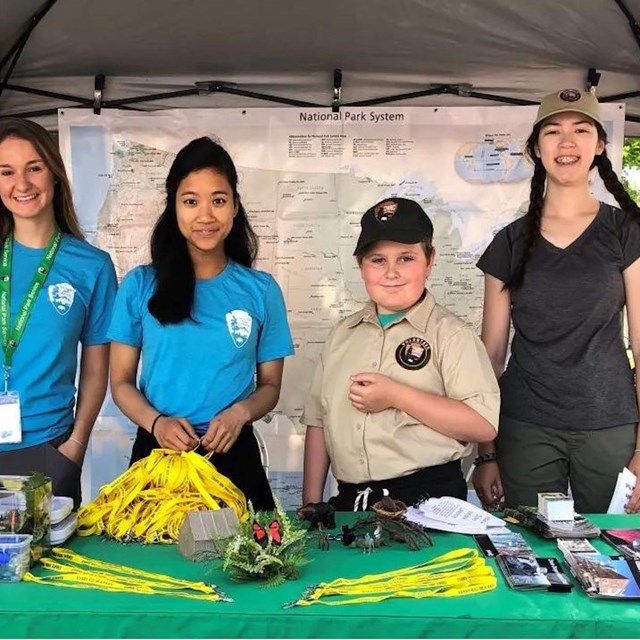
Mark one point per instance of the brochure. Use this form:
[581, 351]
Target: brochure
[507, 543]
[604, 576]
[528, 572]
[626, 541]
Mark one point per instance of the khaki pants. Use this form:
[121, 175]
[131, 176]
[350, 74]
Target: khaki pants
[533, 459]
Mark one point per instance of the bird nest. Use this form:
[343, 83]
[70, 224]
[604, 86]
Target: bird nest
[384, 509]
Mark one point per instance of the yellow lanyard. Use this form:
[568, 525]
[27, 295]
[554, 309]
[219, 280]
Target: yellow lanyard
[457, 573]
[107, 576]
[149, 502]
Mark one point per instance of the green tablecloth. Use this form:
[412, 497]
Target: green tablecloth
[33, 611]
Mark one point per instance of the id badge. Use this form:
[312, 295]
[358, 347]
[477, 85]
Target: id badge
[10, 425]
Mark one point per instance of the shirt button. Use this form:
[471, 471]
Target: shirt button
[359, 426]
[361, 460]
[374, 364]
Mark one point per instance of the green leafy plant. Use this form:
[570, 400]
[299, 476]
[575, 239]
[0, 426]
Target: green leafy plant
[631, 167]
[254, 553]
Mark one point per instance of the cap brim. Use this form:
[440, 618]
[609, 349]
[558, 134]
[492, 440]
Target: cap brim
[584, 112]
[404, 236]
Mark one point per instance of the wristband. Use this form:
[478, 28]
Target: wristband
[82, 444]
[486, 457]
[153, 424]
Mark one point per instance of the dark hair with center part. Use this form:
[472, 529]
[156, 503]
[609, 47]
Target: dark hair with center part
[172, 301]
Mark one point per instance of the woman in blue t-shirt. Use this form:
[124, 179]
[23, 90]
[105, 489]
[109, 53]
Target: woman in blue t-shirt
[210, 330]
[562, 274]
[42, 249]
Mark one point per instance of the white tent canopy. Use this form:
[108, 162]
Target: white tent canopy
[458, 52]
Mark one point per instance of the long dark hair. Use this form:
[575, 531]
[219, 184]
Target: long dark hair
[533, 216]
[43, 143]
[172, 301]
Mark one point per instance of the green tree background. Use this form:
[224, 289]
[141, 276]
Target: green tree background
[631, 165]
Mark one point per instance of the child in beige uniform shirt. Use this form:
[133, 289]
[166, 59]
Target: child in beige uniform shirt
[403, 387]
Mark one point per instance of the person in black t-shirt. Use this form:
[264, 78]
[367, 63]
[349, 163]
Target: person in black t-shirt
[562, 274]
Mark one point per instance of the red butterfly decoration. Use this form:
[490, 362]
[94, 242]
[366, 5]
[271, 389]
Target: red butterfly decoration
[261, 536]
[274, 530]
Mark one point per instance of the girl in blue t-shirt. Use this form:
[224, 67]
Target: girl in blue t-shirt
[76, 285]
[208, 332]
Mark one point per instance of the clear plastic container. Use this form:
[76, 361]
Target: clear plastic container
[14, 556]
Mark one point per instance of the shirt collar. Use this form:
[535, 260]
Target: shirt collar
[418, 316]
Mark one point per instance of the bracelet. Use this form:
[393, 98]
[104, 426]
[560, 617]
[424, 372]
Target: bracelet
[82, 444]
[153, 424]
[636, 450]
[486, 457]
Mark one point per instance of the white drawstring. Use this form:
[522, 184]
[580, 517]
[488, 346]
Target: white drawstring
[362, 499]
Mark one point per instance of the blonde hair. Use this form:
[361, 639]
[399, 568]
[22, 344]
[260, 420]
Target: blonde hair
[39, 137]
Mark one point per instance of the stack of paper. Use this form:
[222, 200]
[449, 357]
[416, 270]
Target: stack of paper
[454, 515]
[624, 488]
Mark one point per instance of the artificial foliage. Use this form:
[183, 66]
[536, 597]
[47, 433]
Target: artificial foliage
[268, 547]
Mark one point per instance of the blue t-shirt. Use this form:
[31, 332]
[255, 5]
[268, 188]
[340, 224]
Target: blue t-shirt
[197, 368]
[74, 306]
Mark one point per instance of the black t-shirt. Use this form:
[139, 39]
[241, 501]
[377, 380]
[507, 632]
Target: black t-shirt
[568, 367]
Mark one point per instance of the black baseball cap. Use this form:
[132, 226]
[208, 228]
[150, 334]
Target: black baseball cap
[396, 219]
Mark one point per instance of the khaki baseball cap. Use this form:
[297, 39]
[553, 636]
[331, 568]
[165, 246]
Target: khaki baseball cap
[583, 102]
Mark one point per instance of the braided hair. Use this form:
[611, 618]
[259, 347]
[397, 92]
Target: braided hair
[533, 217]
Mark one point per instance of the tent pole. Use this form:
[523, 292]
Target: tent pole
[16, 49]
[433, 91]
[204, 88]
[620, 96]
[633, 23]
[49, 94]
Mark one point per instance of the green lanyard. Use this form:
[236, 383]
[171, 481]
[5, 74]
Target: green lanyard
[11, 337]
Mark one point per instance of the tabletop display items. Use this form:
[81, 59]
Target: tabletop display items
[72, 570]
[25, 508]
[268, 547]
[318, 514]
[457, 573]
[604, 576]
[626, 541]
[14, 556]
[389, 525]
[149, 502]
[521, 568]
[200, 531]
[529, 517]
[63, 521]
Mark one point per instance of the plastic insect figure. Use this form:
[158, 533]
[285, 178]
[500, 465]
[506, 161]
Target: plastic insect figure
[262, 536]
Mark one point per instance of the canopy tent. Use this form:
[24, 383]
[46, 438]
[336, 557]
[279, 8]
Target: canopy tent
[200, 53]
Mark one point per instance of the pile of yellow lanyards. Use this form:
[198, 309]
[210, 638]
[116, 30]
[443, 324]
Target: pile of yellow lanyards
[107, 576]
[149, 502]
[457, 573]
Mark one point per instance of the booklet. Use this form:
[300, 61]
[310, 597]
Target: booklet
[604, 576]
[529, 517]
[454, 515]
[576, 545]
[505, 543]
[625, 485]
[524, 572]
[626, 541]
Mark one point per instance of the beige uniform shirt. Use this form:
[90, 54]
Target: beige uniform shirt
[429, 349]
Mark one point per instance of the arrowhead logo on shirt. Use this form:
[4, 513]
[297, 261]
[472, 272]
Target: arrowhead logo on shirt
[61, 296]
[239, 325]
